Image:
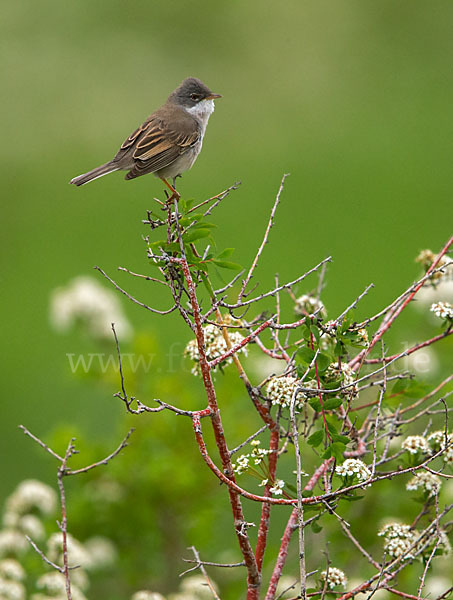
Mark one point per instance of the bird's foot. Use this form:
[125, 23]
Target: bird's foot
[174, 194]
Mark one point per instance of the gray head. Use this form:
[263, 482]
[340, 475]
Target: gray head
[190, 92]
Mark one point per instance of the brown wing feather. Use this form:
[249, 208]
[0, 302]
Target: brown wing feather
[156, 143]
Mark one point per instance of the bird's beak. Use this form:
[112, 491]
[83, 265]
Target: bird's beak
[213, 96]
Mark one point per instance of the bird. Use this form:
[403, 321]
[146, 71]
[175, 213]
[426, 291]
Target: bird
[168, 142]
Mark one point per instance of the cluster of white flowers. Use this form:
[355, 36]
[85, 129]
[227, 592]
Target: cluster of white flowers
[11, 569]
[426, 481]
[87, 302]
[215, 346]
[444, 542]
[54, 585]
[415, 443]
[398, 539]
[77, 554]
[437, 441]
[242, 464]
[194, 587]
[24, 508]
[11, 590]
[334, 373]
[12, 542]
[353, 467]
[443, 310]
[257, 456]
[147, 595]
[363, 337]
[307, 305]
[335, 577]
[31, 495]
[280, 390]
[102, 552]
[12, 574]
[426, 259]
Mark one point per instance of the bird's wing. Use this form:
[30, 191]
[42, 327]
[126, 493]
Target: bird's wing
[156, 143]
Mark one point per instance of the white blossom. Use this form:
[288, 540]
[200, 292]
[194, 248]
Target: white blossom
[77, 554]
[84, 300]
[425, 481]
[196, 586]
[280, 390]
[147, 595]
[54, 584]
[11, 569]
[102, 552]
[215, 346]
[11, 590]
[415, 443]
[398, 539]
[277, 488]
[363, 337]
[242, 464]
[30, 495]
[443, 310]
[307, 305]
[426, 258]
[335, 577]
[258, 454]
[12, 542]
[334, 373]
[437, 442]
[30, 525]
[353, 467]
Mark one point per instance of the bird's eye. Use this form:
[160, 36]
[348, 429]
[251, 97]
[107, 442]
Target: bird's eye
[195, 97]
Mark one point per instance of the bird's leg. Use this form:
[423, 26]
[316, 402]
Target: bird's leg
[174, 193]
[173, 181]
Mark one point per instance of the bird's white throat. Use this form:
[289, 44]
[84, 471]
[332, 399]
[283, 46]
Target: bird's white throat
[202, 111]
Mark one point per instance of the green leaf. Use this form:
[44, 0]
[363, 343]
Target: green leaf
[315, 331]
[351, 498]
[204, 225]
[225, 264]
[315, 404]
[336, 449]
[331, 403]
[323, 361]
[305, 331]
[225, 253]
[158, 244]
[338, 437]
[291, 488]
[347, 321]
[172, 247]
[316, 438]
[339, 348]
[305, 354]
[196, 235]
[315, 527]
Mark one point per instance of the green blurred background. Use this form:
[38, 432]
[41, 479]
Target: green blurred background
[353, 98]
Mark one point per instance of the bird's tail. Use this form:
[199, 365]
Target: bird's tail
[95, 173]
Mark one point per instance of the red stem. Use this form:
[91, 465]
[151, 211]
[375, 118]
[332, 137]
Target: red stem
[290, 527]
[263, 529]
[372, 361]
[357, 360]
[319, 388]
[253, 575]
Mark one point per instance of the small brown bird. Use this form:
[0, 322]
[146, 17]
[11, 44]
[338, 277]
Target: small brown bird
[168, 142]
